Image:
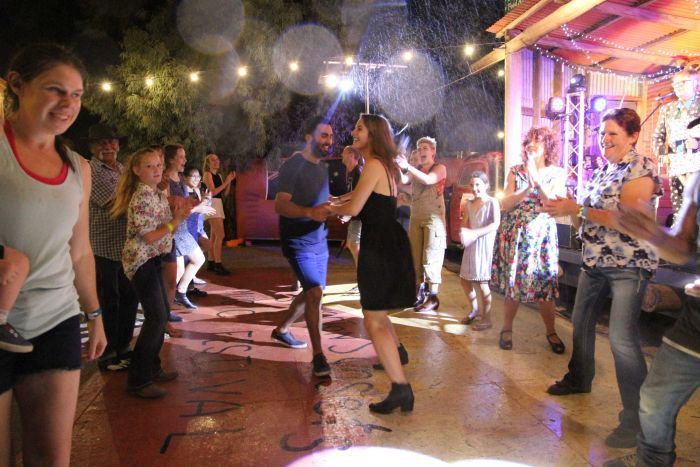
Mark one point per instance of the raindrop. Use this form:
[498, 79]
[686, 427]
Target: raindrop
[412, 94]
[298, 57]
[210, 26]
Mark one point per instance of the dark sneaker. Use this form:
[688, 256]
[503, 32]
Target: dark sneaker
[11, 341]
[320, 365]
[622, 437]
[173, 318]
[164, 376]
[150, 391]
[562, 388]
[287, 339]
[181, 299]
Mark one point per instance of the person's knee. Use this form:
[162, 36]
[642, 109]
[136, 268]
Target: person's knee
[314, 295]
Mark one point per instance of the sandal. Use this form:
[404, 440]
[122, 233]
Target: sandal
[469, 319]
[506, 344]
[557, 347]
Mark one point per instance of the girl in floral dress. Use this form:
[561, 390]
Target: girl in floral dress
[526, 255]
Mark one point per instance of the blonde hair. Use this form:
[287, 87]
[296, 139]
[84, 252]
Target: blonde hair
[206, 161]
[129, 181]
[428, 140]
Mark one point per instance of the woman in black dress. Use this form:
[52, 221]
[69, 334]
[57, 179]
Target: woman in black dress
[385, 274]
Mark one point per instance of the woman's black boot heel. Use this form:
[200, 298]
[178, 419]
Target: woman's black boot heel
[401, 395]
[403, 356]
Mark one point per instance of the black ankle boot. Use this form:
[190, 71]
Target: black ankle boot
[401, 395]
[221, 270]
[182, 299]
[403, 356]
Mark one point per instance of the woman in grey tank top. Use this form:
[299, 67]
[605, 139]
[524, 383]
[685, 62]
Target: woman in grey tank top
[48, 221]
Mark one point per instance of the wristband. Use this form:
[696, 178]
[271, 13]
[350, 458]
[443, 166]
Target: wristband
[582, 211]
[170, 227]
[93, 316]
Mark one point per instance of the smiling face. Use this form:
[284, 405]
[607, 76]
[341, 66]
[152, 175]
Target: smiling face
[193, 178]
[214, 162]
[150, 169]
[685, 85]
[615, 142]
[535, 148]
[51, 101]
[321, 140]
[106, 150]
[360, 136]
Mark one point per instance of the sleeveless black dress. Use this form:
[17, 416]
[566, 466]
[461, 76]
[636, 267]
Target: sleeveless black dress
[385, 274]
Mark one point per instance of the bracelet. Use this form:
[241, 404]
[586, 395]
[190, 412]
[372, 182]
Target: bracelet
[93, 316]
[582, 211]
[170, 227]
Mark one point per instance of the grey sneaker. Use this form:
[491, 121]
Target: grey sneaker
[11, 341]
[320, 365]
[622, 437]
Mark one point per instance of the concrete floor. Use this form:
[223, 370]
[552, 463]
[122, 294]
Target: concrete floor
[242, 399]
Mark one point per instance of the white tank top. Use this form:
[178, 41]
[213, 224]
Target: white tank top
[37, 219]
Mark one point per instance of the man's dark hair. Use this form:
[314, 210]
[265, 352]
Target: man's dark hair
[311, 124]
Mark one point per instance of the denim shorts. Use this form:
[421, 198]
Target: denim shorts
[310, 268]
[56, 349]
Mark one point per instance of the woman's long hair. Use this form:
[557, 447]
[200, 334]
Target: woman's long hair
[551, 147]
[381, 139]
[128, 182]
[30, 62]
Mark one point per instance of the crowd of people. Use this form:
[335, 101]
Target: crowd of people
[124, 234]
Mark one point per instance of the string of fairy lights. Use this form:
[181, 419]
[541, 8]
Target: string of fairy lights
[333, 80]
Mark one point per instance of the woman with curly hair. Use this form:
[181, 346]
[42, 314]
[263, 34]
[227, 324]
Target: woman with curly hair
[526, 255]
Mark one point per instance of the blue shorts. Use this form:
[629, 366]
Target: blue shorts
[310, 268]
[56, 349]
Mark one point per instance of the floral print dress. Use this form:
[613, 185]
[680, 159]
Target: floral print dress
[526, 253]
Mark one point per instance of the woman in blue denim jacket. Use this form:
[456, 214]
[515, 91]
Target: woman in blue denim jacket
[613, 264]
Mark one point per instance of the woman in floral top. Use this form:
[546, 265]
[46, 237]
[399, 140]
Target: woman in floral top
[150, 225]
[526, 255]
[613, 263]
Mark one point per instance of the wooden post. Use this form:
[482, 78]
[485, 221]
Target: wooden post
[513, 114]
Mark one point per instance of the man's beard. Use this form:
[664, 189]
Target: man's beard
[317, 151]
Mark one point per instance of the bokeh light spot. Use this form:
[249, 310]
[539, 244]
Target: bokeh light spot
[210, 26]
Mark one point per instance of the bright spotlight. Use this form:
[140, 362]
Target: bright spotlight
[501, 73]
[346, 84]
[577, 83]
[242, 71]
[407, 56]
[599, 103]
[500, 135]
[294, 66]
[194, 76]
[106, 86]
[555, 107]
[149, 82]
[331, 81]
[468, 50]
[349, 60]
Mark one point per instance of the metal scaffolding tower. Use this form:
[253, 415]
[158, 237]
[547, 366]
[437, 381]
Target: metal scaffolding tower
[574, 136]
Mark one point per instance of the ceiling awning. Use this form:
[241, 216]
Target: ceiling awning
[625, 36]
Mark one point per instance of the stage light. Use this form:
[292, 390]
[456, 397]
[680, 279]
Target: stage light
[346, 84]
[555, 107]
[577, 83]
[331, 81]
[599, 103]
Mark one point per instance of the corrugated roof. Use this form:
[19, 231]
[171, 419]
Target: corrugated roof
[628, 39]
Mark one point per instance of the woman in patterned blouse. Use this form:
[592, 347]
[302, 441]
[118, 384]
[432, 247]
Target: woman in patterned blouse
[149, 236]
[613, 264]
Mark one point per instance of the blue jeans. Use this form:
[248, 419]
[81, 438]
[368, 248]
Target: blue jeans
[145, 362]
[672, 380]
[627, 286]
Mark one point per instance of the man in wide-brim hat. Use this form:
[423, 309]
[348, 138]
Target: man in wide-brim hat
[107, 236]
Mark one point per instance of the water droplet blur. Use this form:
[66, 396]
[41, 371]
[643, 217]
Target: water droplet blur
[210, 26]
